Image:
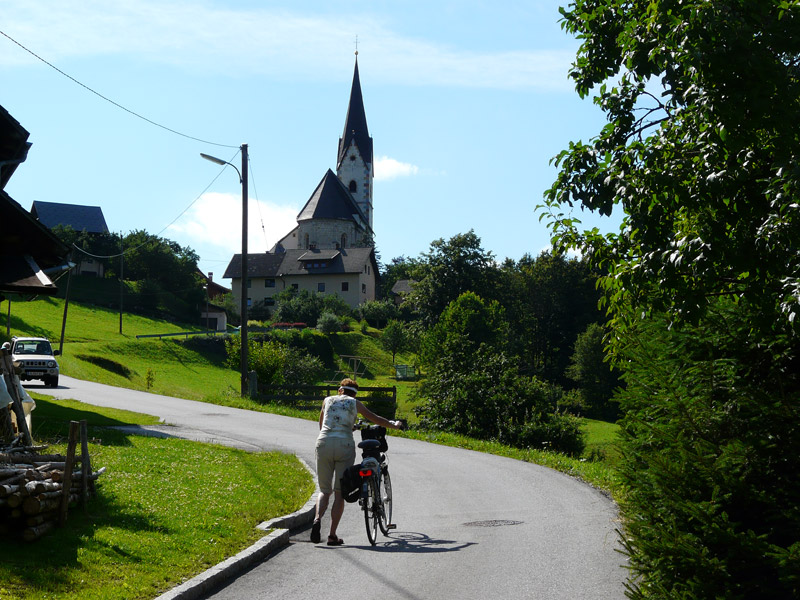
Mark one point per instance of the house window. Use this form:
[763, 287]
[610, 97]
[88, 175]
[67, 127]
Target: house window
[320, 287]
[353, 187]
[269, 283]
[294, 286]
[249, 302]
[345, 286]
[249, 283]
[363, 288]
[269, 301]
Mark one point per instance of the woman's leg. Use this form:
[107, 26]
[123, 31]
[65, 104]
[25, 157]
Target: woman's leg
[336, 512]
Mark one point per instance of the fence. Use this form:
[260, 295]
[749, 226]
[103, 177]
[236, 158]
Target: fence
[381, 400]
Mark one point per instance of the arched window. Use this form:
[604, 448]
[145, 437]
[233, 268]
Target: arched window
[344, 240]
[353, 187]
[306, 241]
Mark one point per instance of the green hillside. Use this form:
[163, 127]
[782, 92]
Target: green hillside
[187, 367]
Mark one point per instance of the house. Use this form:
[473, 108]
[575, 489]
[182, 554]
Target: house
[80, 218]
[349, 273]
[400, 290]
[331, 250]
[30, 255]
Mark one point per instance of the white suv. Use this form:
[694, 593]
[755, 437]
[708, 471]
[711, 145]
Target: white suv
[36, 359]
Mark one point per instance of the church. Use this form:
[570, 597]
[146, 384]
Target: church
[331, 250]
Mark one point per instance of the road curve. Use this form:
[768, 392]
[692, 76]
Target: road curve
[469, 525]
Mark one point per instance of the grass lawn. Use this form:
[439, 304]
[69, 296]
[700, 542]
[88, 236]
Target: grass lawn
[166, 509]
[95, 350]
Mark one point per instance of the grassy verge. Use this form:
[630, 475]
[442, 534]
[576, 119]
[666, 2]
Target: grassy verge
[166, 509]
[96, 351]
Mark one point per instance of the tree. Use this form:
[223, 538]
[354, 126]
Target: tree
[595, 376]
[378, 312]
[550, 299]
[394, 337]
[449, 269]
[702, 281]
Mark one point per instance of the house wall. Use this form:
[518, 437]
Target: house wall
[91, 267]
[327, 233]
[361, 286]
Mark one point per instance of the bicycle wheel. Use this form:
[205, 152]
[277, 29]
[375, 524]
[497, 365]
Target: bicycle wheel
[386, 497]
[371, 508]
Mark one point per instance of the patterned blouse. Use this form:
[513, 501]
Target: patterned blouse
[339, 416]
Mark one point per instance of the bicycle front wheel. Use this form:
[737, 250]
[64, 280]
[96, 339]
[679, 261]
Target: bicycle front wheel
[372, 509]
[386, 501]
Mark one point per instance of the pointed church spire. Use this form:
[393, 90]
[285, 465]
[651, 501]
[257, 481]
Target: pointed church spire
[355, 126]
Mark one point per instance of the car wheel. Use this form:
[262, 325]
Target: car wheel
[52, 382]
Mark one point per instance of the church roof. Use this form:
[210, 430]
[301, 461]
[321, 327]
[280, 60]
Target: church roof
[263, 264]
[77, 216]
[355, 125]
[331, 200]
[300, 262]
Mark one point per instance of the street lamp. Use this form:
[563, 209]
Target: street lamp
[243, 328]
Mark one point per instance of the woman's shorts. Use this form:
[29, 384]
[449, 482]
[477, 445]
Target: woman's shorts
[334, 455]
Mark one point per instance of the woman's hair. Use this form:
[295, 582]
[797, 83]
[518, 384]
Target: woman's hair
[349, 383]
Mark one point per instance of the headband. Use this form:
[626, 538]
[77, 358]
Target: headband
[349, 388]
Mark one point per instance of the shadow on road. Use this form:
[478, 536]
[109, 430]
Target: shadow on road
[413, 542]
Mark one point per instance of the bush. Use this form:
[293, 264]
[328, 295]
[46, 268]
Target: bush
[329, 323]
[275, 363]
[711, 452]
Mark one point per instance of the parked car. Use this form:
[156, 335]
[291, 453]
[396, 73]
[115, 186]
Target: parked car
[36, 359]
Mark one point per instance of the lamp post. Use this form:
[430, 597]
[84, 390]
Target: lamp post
[243, 328]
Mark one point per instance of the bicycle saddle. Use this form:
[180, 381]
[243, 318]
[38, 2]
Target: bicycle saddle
[369, 444]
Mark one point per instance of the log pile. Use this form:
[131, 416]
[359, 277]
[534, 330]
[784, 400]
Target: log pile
[36, 490]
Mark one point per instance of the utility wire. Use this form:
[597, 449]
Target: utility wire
[135, 114]
[258, 204]
[128, 250]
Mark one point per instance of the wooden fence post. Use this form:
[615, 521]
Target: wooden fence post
[69, 463]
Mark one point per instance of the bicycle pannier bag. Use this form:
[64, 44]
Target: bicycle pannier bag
[351, 483]
[376, 433]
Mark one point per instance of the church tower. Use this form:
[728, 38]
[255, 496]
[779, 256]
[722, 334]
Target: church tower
[354, 165]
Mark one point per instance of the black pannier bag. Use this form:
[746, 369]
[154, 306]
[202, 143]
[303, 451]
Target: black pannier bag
[351, 483]
[376, 432]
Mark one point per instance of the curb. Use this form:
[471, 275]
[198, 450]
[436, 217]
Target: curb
[229, 569]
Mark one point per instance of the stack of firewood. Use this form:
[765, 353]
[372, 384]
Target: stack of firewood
[36, 489]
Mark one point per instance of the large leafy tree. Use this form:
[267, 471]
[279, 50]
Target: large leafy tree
[450, 268]
[701, 154]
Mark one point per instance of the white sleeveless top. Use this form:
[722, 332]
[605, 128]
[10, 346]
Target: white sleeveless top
[338, 417]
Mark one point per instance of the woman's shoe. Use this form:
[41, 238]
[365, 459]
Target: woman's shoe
[335, 541]
[315, 536]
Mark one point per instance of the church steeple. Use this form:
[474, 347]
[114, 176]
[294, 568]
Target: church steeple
[355, 126]
[354, 163]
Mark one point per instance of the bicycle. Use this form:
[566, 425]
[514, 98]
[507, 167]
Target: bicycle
[376, 484]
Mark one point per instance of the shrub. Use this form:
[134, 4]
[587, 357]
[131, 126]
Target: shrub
[329, 323]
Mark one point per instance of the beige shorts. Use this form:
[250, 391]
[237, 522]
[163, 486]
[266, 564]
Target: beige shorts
[334, 455]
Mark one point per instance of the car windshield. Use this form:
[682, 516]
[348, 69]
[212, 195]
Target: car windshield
[33, 347]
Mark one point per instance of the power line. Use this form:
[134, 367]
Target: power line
[183, 212]
[96, 93]
[258, 204]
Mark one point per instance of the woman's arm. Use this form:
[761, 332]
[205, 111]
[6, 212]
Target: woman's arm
[371, 416]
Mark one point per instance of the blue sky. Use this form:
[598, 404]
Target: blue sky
[467, 101]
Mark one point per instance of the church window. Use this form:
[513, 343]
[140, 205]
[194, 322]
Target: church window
[344, 240]
[306, 241]
[353, 187]
[352, 157]
[363, 288]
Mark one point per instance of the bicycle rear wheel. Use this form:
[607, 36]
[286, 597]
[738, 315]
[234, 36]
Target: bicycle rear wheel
[372, 510]
[386, 497]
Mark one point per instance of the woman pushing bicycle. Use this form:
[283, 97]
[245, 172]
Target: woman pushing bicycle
[336, 450]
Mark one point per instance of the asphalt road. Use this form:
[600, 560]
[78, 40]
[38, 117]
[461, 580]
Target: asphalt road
[469, 525]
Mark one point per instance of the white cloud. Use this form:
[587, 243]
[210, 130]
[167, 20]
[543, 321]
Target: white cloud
[215, 222]
[388, 168]
[279, 43]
